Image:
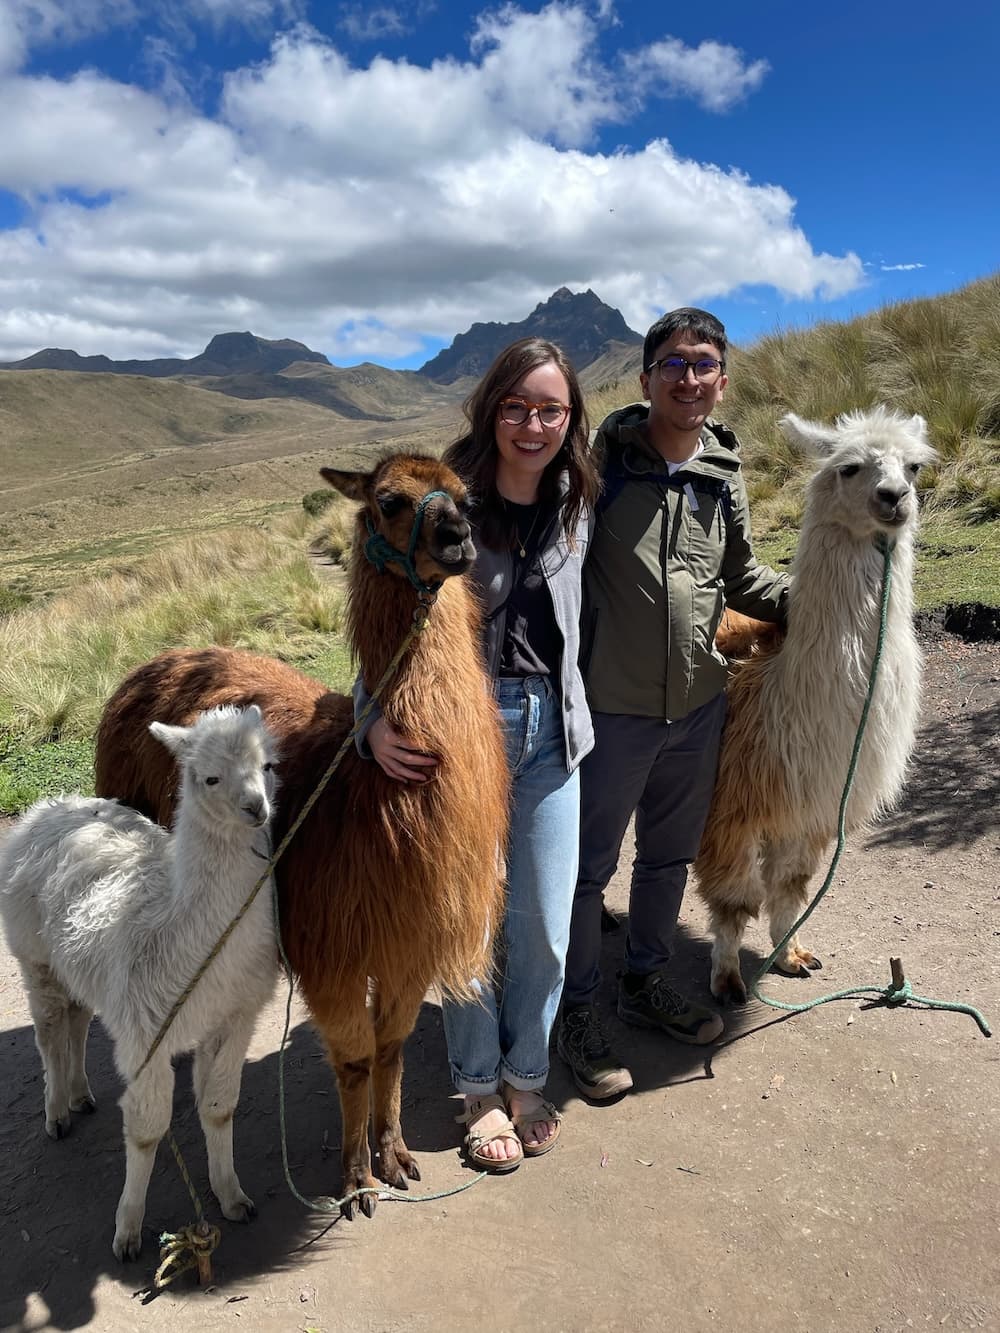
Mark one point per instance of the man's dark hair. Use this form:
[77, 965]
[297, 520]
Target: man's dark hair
[689, 319]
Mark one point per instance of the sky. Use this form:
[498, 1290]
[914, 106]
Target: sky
[370, 179]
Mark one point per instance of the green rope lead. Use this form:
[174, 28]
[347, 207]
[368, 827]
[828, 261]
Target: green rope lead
[892, 995]
[326, 1204]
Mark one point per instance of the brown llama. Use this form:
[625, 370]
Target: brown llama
[396, 883]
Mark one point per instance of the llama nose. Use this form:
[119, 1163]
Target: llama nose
[891, 495]
[453, 531]
[256, 808]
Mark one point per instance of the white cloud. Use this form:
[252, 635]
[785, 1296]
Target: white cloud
[900, 268]
[246, 13]
[360, 208]
[370, 25]
[27, 24]
[717, 76]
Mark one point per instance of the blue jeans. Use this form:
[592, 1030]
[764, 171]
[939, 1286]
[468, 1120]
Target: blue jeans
[505, 1035]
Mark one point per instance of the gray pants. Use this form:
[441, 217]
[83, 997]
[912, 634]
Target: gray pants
[665, 773]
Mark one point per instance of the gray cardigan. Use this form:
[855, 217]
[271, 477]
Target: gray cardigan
[493, 574]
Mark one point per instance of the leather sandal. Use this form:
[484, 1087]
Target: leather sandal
[522, 1124]
[476, 1140]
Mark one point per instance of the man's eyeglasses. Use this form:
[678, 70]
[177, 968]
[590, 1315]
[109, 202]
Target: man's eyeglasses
[673, 368]
[516, 411]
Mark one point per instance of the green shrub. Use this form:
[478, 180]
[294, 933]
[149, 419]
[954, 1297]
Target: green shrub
[30, 770]
[12, 598]
[317, 502]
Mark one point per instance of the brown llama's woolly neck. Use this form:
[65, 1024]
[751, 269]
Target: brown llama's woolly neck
[380, 611]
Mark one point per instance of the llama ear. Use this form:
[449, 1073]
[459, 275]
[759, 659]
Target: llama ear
[351, 484]
[810, 435]
[174, 738]
[253, 714]
[919, 426]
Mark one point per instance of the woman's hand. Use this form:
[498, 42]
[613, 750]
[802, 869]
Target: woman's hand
[396, 757]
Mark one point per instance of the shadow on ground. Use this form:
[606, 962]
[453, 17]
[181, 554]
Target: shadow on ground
[58, 1216]
[953, 791]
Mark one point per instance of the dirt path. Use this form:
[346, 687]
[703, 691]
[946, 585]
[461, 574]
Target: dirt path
[837, 1170]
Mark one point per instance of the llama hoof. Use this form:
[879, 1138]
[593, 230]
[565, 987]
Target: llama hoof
[84, 1104]
[127, 1245]
[58, 1129]
[397, 1167]
[800, 964]
[401, 1177]
[366, 1202]
[353, 1200]
[241, 1209]
[728, 988]
[790, 968]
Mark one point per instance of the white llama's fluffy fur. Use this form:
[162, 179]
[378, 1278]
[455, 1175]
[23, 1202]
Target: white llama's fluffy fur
[107, 912]
[794, 714]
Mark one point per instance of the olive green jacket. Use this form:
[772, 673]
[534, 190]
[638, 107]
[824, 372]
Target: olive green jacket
[661, 570]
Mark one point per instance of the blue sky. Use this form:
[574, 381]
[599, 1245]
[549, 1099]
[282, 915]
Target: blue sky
[370, 179]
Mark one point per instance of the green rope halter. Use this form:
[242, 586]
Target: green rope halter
[379, 552]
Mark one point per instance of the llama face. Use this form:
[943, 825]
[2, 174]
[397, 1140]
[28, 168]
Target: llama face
[227, 765]
[391, 496]
[869, 466]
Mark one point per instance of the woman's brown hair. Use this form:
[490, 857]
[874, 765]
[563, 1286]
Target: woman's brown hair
[474, 454]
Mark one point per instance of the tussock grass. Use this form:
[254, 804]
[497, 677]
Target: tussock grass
[939, 357]
[249, 588]
[332, 534]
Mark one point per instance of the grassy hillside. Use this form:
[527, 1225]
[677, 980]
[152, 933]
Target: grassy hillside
[100, 468]
[250, 588]
[939, 357]
[57, 427]
[229, 563]
[365, 392]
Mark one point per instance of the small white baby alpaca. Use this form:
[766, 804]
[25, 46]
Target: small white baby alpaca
[107, 912]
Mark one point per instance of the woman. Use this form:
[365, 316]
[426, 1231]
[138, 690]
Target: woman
[526, 462]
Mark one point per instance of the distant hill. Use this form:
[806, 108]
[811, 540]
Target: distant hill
[226, 354]
[57, 425]
[619, 361]
[241, 365]
[580, 323]
[361, 393]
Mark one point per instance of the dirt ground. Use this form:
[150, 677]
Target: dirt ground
[837, 1169]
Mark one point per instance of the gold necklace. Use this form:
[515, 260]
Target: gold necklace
[522, 542]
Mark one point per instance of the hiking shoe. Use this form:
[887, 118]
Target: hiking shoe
[648, 1002]
[584, 1047]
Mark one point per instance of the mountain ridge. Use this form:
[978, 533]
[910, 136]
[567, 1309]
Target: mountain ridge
[241, 353]
[581, 323]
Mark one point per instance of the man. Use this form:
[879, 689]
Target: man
[671, 549]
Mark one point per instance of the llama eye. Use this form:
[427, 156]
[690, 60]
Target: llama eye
[211, 782]
[850, 470]
[268, 767]
[390, 504]
[913, 467]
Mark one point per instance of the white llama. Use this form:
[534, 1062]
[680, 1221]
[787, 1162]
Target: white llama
[105, 911]
[794, 711]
